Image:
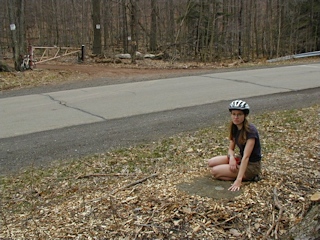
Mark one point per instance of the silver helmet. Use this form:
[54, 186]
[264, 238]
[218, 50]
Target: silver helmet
[239, 105]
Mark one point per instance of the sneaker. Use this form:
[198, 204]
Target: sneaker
[256, 178]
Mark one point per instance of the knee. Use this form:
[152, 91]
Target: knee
[212, 162]
[215, 173]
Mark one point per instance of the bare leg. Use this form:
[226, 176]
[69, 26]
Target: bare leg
[220, 169]
[217, 161]
[223, 172]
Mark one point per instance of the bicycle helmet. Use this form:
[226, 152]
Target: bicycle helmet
[239, 105]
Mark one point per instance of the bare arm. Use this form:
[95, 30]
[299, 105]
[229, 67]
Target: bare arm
[232, 160]
[244, 163]
[231, 148]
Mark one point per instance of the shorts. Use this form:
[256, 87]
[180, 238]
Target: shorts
[253, 169]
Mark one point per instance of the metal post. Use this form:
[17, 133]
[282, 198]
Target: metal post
[82, 53]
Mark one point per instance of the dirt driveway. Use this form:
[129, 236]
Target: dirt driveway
[58, 75]
[123, 72]
[68, 74]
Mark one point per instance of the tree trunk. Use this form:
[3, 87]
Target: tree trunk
[134, 29]
[124, 26]
[256, 34]
[53, 27]
[270, 29]
[106, 26]
[207, 55]
[153, 30]
[240, 29]
[18, 31]
[22, 32]
[171, 22]
[96, 27]
[279, 28]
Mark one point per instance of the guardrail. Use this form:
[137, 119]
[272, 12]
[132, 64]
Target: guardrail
[300, 55]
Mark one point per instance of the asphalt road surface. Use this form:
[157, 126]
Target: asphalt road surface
[39, 128]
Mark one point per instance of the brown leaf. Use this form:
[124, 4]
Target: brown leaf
[315, 197]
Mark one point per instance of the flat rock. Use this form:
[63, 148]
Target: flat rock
[206, 186]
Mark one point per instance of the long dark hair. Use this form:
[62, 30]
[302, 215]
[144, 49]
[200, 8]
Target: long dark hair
[243, 132]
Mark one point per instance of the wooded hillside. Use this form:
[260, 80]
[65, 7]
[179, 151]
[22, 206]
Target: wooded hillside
[201, 30]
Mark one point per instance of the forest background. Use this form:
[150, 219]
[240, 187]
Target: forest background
[186, 30]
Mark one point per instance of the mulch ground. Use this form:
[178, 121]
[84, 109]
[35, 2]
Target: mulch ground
[132, 193]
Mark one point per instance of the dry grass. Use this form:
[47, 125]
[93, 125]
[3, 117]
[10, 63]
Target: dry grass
[131, 193]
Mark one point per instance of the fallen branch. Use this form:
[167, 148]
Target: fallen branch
[102, 175]
[275, 223]
[134, 183]
[227, 220]
[124, 187]
[139, 230]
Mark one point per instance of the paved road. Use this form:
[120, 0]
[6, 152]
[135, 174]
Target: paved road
[39, 128]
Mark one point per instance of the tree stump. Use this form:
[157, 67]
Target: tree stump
[5, 68]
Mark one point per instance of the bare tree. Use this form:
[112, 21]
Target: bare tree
[124, 26]
[134, 29]
[153, 29]
[16, 16]
[171, 21]
[96, 27]
[107, 29]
